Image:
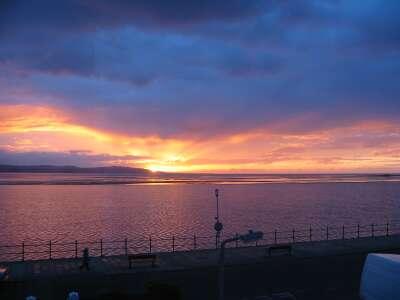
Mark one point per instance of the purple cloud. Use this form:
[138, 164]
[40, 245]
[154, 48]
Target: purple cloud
[197, 68]
[78, 158]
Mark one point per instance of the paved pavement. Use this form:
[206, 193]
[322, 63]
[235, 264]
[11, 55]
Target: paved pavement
[171, 261]
[248, 269]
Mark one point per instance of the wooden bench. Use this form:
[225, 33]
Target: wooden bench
[142, 257]
[280, 248]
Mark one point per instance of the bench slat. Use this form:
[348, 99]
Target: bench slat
[141, 256]
[133, 257]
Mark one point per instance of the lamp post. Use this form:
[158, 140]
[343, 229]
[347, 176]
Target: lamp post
[251, 236]
[218, 225]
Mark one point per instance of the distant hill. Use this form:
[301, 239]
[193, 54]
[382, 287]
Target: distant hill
[72, 169]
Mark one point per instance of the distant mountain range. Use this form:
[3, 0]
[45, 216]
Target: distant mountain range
[72, 169]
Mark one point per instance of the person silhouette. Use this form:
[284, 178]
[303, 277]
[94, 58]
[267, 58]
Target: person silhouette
[85, 260]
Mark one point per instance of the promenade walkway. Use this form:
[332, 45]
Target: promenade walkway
[173, 261]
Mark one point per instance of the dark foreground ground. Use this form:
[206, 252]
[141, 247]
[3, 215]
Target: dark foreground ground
[329, 270]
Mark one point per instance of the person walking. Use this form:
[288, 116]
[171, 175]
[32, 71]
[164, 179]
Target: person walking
[85, 261]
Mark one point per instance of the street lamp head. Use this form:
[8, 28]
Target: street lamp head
[218, 225]
[251, 236]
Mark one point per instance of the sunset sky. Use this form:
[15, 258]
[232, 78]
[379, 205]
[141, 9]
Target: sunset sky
[249, 86]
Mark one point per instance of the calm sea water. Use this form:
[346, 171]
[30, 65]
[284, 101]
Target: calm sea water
[58, 207]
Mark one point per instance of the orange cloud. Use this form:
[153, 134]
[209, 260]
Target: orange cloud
[31, 128]
[367, 146]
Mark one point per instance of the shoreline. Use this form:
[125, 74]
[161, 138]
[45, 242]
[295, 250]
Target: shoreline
[172, 182]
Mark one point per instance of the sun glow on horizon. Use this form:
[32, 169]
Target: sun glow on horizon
[28, 129]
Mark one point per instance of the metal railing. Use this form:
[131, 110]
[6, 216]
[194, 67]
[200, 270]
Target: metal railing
[73, 249]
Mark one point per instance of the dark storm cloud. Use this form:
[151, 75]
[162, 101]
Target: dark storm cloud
[131, 56]
[92, 14]
[382, 31]
[204, 67]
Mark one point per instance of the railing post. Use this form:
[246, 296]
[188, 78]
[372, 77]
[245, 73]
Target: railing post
[101, 247]
[343, 232]
[327, 233]
[150, 244]
[387, 229]
[173, 243]
[76, 249]
[23, 251]
[49, 249]
[275, 237]
[372, 230]
[126, 246]
[310, 234]
[293, 236]
[237, 240]
[358, 231]
[194, 242]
